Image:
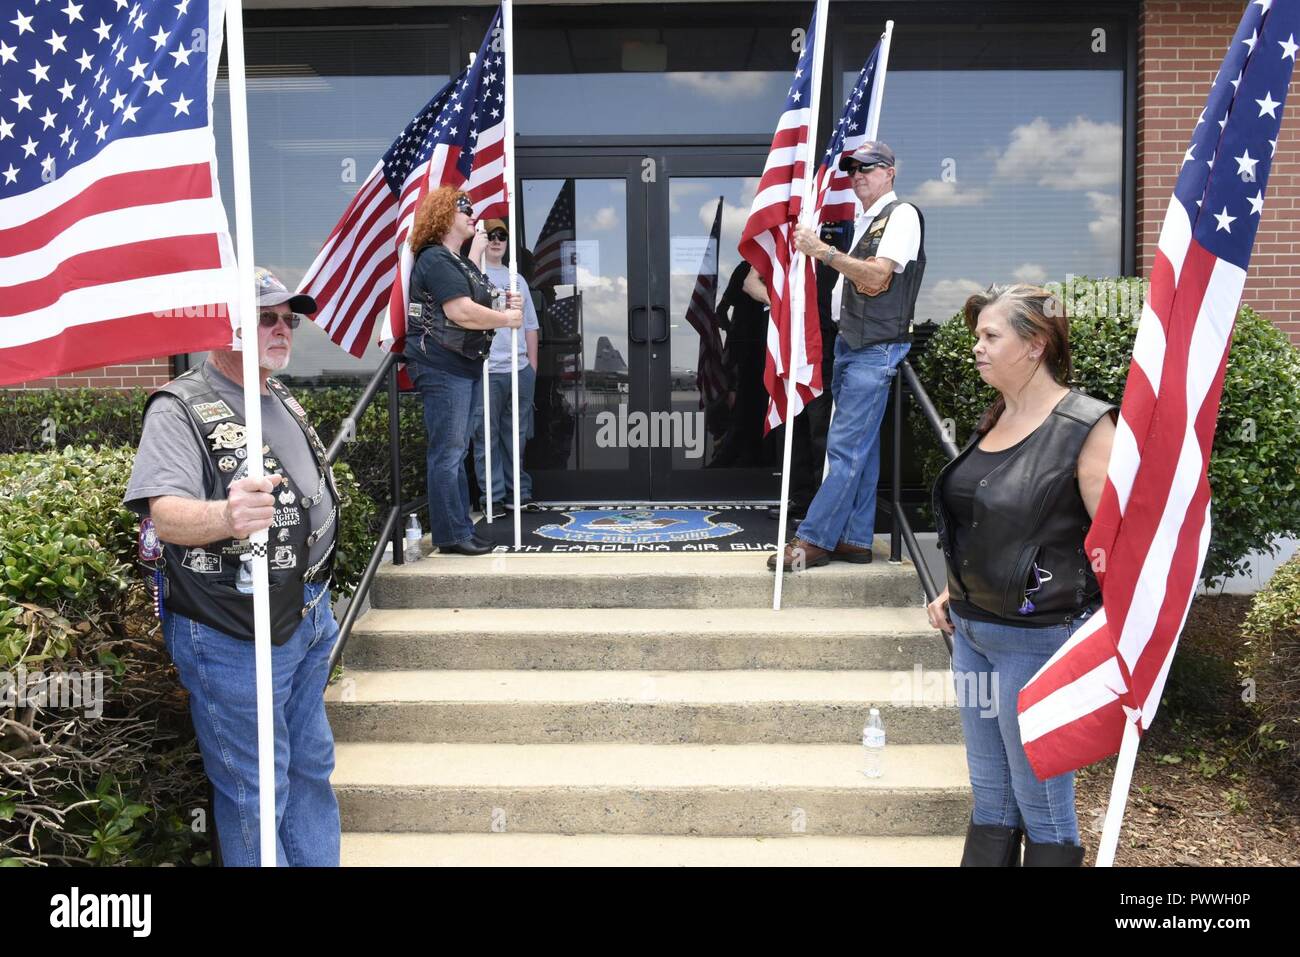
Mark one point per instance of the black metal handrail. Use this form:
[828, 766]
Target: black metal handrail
[902, 528]
[391, 531]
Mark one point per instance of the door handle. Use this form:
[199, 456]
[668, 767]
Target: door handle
[633, 334]
[661, 311]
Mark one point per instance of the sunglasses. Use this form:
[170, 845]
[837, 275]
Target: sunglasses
[269, 319]
[498, 235]
[855, 168]
[463, 205]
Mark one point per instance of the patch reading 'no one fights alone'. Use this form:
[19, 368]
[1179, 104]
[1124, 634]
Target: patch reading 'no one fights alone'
[642, 526]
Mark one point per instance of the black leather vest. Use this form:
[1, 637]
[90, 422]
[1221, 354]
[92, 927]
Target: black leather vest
[426, 317]
[200, 580]
[887, 317]
[1028, 510]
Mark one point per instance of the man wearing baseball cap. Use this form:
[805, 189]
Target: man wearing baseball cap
[198, 507]
[873, 301]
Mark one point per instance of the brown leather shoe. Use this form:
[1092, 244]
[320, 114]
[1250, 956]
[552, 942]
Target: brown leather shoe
[806, 554]
[844, 552]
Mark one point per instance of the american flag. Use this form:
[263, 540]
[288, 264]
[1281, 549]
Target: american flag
[835, 197]
[767, 243]
[115, 244]
[548, 265]
[702, 314]
[458, 140]
[1152, 527]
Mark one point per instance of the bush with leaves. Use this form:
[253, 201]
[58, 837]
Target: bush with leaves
[124, 785]
[1270, 663]
[1255, 463]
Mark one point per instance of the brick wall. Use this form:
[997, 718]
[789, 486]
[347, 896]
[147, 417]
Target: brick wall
[148, 373]
[1180, 47]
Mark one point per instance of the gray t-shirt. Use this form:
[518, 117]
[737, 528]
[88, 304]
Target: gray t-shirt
[499, 357]
[169, 461]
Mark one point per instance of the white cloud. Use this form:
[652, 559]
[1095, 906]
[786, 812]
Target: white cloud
[1105, 228]
[1031, 273]
[1081, 155]
[937, 192]
[725, 87]
[940, 300]
[604, 218]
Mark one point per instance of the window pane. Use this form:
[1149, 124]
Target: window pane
[323, 105]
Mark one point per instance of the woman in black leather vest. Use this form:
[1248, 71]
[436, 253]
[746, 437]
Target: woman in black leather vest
[1012, 511]
[450, 309]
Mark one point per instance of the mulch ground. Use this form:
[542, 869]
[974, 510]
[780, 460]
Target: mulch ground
[1202, 794]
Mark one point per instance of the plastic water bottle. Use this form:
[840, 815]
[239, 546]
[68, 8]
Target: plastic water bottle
[413, 535]
[873, 742]
[244, 583]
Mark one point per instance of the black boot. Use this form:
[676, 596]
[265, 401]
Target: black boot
[1053, 855]
[991, 845]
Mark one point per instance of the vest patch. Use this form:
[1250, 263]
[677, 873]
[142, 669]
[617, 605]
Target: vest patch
[287, 516]
[283, 557]
[229, 435]
[213, 411]
[202, 562]
[227, 463]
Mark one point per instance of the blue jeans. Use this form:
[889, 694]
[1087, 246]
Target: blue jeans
[991, 663]
[220, 675]
[503, 451]
[448, 404]
[844, 508]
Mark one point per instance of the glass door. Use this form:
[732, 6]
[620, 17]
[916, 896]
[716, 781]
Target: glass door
[707, 373]
[584, 259]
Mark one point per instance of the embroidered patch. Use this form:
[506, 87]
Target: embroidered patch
[202, 562]
[282, 535]
[228, 435]
[149, 547]
[295, 407]
[287, 497]
[283, 557]
[287, 516]
[213, 411]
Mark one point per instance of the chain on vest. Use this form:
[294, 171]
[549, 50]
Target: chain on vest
[427, 316]
[201, 580]
[886, 317]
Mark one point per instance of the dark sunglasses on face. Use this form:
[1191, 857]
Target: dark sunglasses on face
[855, 168]
[269, 319]
[463, 205]
[498, 235]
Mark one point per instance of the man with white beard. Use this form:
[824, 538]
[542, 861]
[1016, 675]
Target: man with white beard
[198, 506]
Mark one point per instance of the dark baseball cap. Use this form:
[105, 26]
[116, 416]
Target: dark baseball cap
[272, 292]
[870, 153]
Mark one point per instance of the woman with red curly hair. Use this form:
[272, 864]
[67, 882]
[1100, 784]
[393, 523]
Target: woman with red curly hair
[449, 326]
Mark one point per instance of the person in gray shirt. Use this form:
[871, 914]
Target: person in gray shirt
[191, 487]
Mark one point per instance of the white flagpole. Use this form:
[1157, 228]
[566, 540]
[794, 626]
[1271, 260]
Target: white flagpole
[873, 128]
[1119, 789]
[253, 421]
[878, 82]
[507, 35]
[797, 291]
[487, 439]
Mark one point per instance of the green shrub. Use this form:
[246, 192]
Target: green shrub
[77, 786]
[123, 786]
[1253, 466]
[1270, 662]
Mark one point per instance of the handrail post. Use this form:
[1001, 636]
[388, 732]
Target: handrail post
[896, 537]
[395, 462]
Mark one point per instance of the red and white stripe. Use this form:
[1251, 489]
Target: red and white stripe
[1152, 528]
[767, 243]
[124, 257]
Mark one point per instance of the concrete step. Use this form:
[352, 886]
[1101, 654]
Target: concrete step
[721, 790]
[644, 850]
[644, 638]
[657, 580]
[642, 707]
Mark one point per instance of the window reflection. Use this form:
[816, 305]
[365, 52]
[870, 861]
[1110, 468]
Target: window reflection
[323, 105]
[575, 231]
